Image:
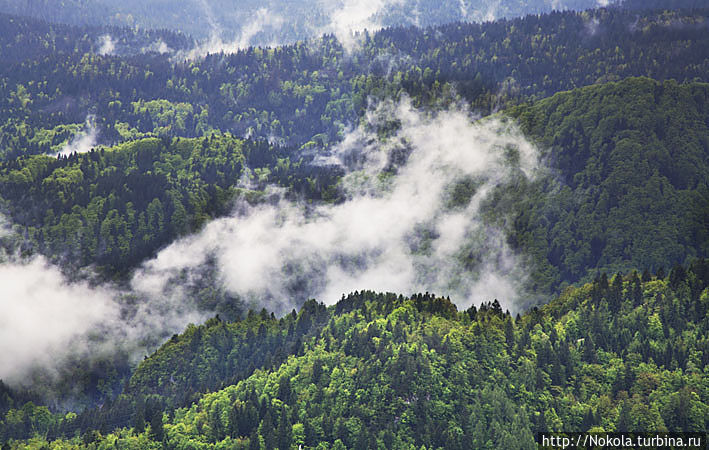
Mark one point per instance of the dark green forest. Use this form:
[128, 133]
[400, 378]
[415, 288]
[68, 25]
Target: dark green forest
[108, 157]
[619, 151]
[308, 94]
[632, 164]
[304, 97]
[293, 21]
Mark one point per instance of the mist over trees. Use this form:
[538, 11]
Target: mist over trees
[278, 22]
[553, 165]
[618, 354]
[310, 93]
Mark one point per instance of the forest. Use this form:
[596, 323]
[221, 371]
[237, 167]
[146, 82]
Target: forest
[308, 94]
[277, 20]
[121, 147]
[381, 370]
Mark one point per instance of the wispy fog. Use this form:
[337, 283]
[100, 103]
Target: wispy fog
[107, 46]
[4, 227]
[411, 221]
[47, 319]
[348, 17]
[44, 317]
[261, 21]
[158, 46]
[84, 140]
[277, 22]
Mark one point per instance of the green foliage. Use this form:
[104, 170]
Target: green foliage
[115, 207]
[308, 94]
[296, 21]
[395, 372]
[628, 190]
[630, 182]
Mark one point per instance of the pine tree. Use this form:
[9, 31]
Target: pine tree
[268, 431]
[624, 419]
[284, 433]
[637, 293]
[542, 426]
[660, 273]
[509, 333]
[616, 293]
[588, 420]
[284, 389]
[603, 284]
[157, 432]
[589, 350]
[254, 441]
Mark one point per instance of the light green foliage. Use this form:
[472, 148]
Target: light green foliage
[119, 205]
[395, 372]
[628, 189]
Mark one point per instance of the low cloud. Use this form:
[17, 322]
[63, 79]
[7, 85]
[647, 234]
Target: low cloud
[158, 46]
[344, 18]
[592, 26]
[5, 227]
[107, 46]
[412, 221]
[48, 319]
[43, 316]
[83, 141]
[262, 21]
[348, 17]
[279, 22]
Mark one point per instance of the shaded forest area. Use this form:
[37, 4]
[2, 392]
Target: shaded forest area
[614, 230]
[311, 93]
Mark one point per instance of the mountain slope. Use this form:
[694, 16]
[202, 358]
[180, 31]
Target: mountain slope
[628, 187]
[311, 94]
[384, 370]
[633, 163]
[185, 136]
[115, 207]
[309, 97]
[278, 21]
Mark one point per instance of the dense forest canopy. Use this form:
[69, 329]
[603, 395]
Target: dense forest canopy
[141, 171]
[623, 151]
[384, 370]
[309, 93]
[249, 22]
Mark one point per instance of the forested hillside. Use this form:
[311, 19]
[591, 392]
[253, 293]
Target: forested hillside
[311, 93]
[309, 96]
[632, 163]
[555, 165]
[618, 354]
[116, 207]
[618, 151]
[277, 21]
